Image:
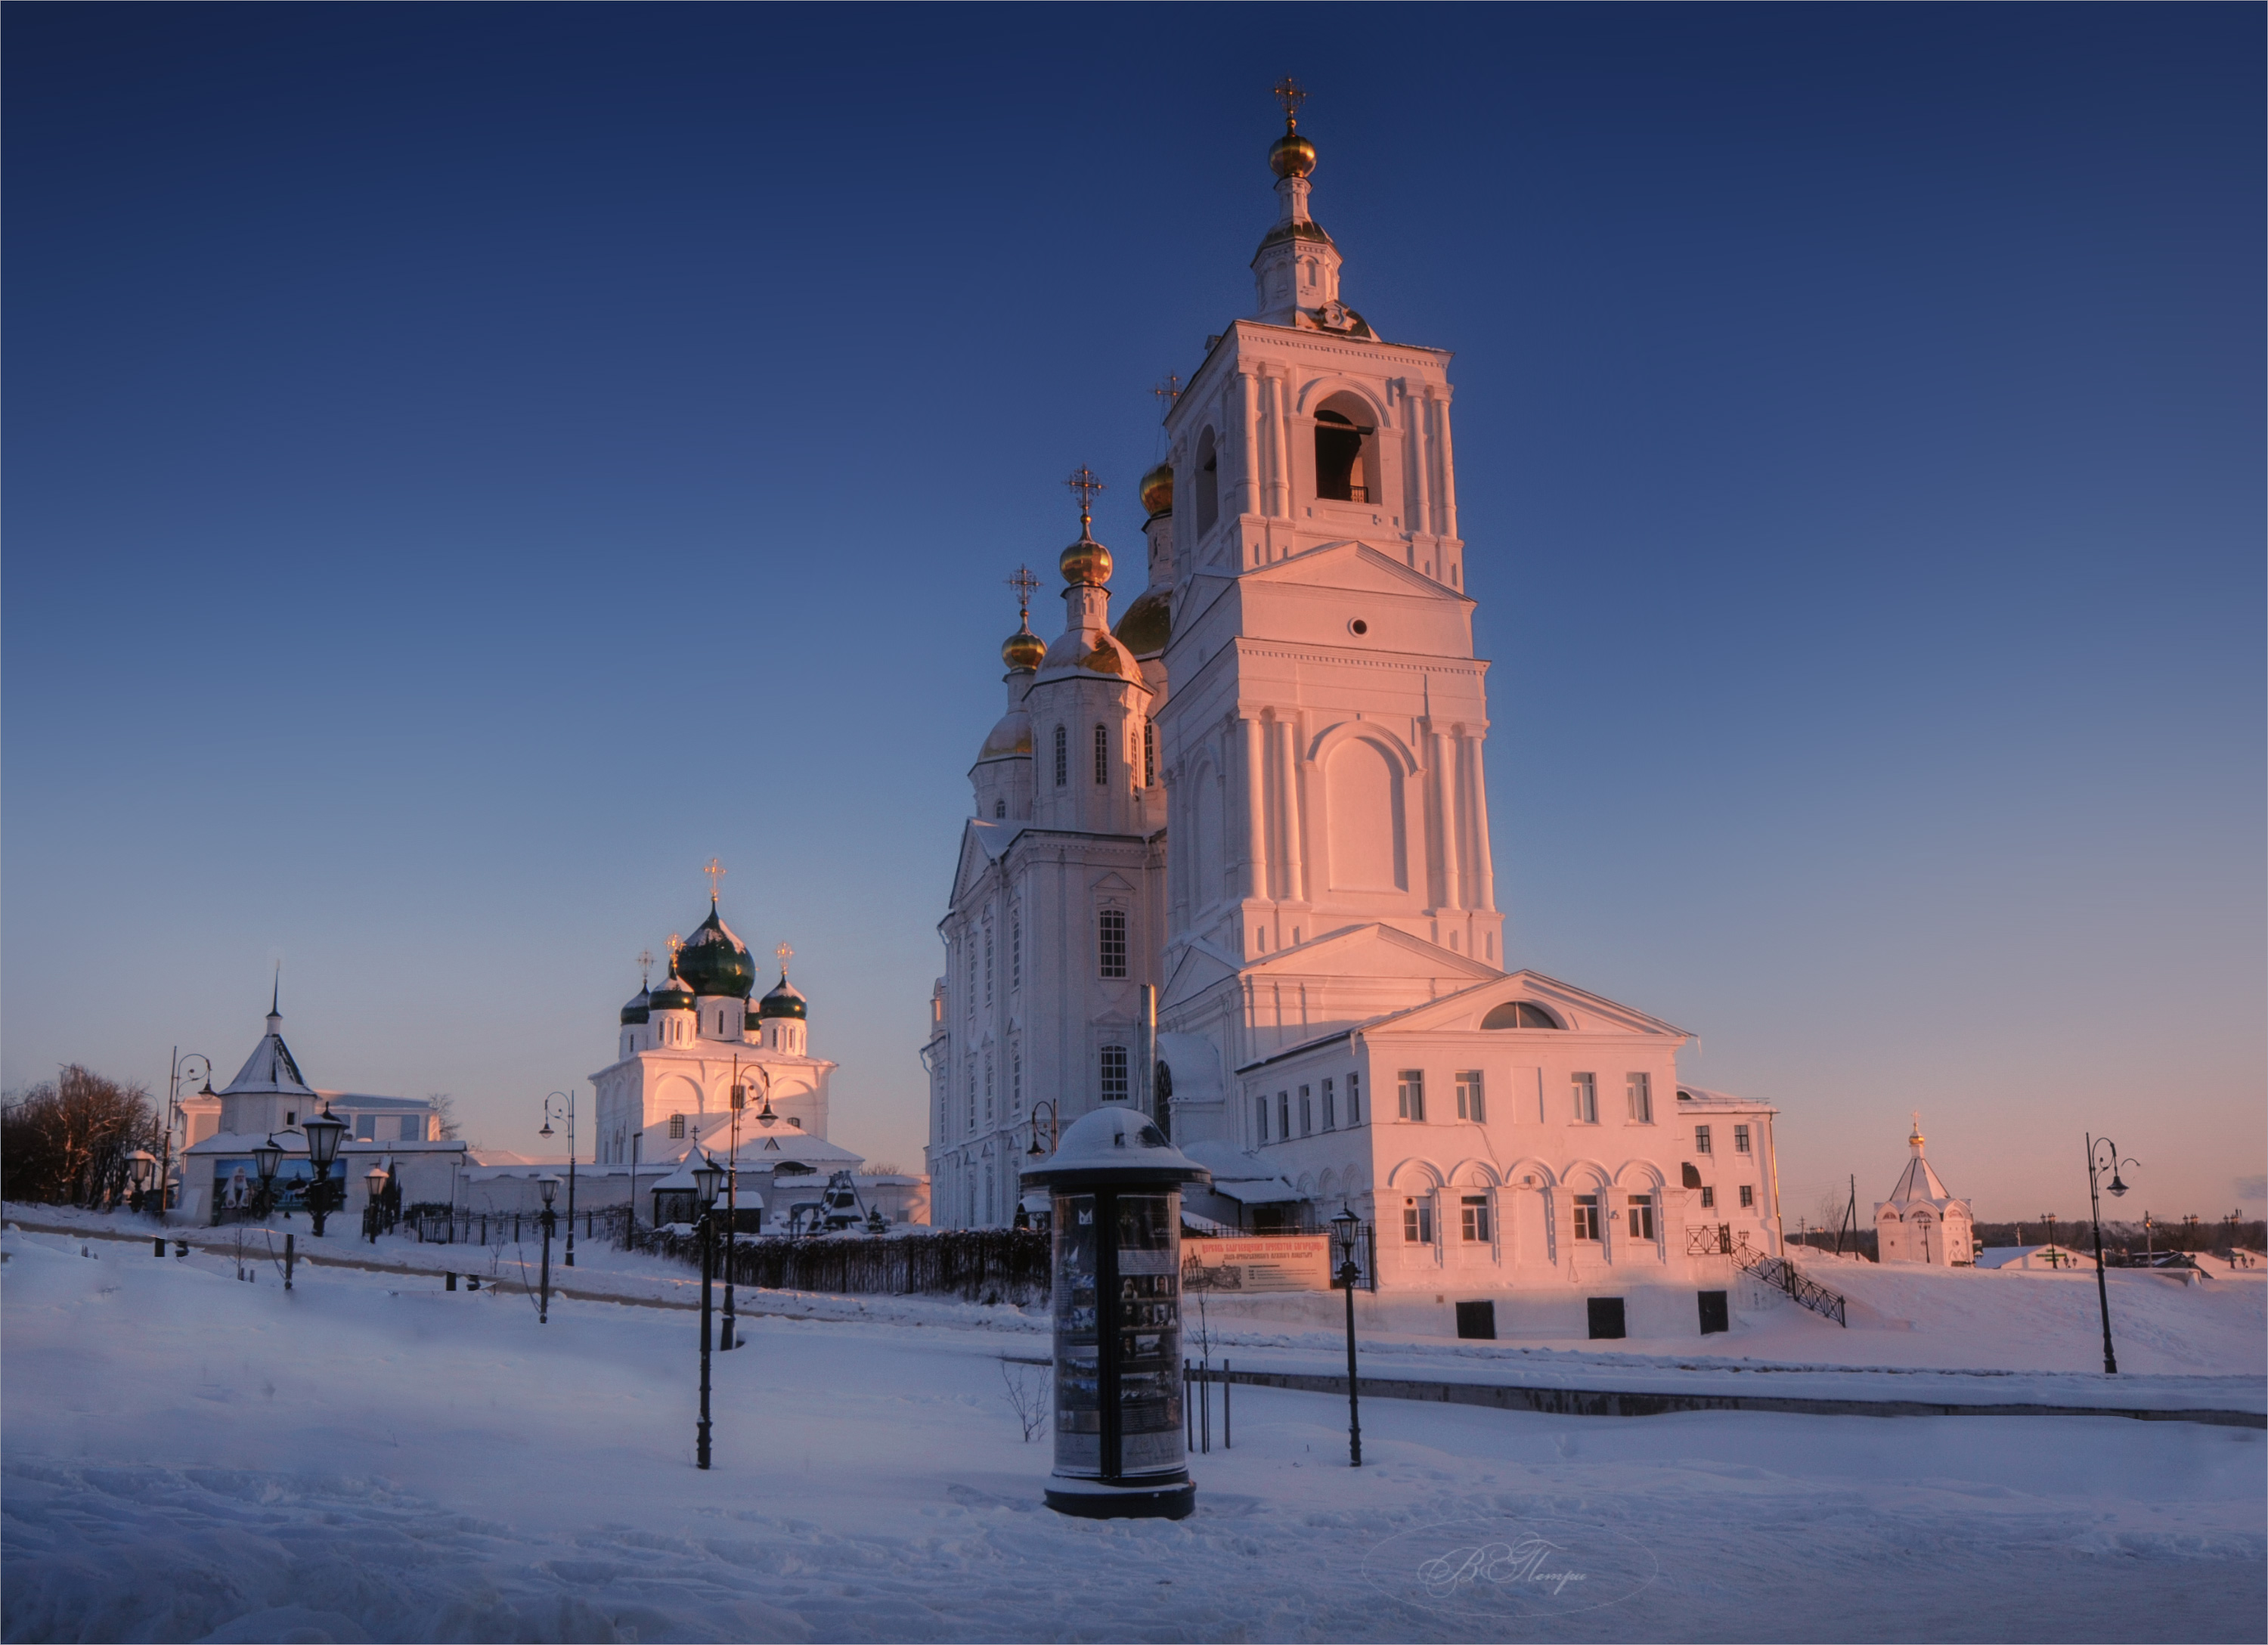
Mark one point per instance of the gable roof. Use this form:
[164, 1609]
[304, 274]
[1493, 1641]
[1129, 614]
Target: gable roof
[1356, 566]
[1582, 1011]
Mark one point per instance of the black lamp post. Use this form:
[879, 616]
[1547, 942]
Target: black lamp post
[140, 1165]
[550, 1185]
[1055, 1133]
[708, 1177]
[266, 1159]
[550, 1111]
[2102, 1155]
[2054, 1260]
[1346, 1228]
[173, 1116]
[374, 1180]
[323, 1133]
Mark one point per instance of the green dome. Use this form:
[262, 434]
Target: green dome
[636, 1011]
[783, 1001]
[671, 996]
[715, 961]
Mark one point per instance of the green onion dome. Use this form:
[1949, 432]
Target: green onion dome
[671, 996]
[637, 1010]
[752, 1022]
[783, 1001]
[714, 961]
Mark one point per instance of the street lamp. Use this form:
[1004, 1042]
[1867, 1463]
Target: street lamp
[2054, 1259]
[140, 1165]
[2102, 1155]
[728, 1338]
[1345, 1228]
[374, 1179]
[707, 1177]
[549, 1184]
[266, 1159]
[323, 1133]
[173, 1115]
[550, 1111]
[1055, 1133]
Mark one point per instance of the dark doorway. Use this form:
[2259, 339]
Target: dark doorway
[1606, 1317]
[1477, 1319]
[1715, 1315]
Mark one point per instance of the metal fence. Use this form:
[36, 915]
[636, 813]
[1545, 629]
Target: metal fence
[438, 1225]
[976, 1265]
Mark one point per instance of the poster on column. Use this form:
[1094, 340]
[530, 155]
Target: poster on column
[1269, 1262]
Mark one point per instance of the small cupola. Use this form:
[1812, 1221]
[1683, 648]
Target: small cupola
[714, 963]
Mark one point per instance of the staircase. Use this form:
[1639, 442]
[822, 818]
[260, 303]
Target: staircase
[1703, 1240]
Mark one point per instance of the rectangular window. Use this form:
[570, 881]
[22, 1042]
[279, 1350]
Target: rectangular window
[1063, 757]
[1417, 1221]
[1016, 952]
[972, 1099]
[1586, 1216]
[1708, 1200]
[988, 1090]
[1641, 1216]
[1748, 1197]
[1475, 1211]
[988, 967]
[1101, 755]
[1585, 1088]
[1354, 1099]
[413, 1129]
[1149, 753]
[365, 1127]
[1640, 1089]
[1330, 1108]
[1740, 1138]
[972, 981]
[1409, 1094]
[1700, 1138]
[1307, 1113]
[1283, 1115]
[1016, 1084]
[1114, 1073]
[1114, 942]
[677, 1127]
[1471, 1104]
[1260, 1116]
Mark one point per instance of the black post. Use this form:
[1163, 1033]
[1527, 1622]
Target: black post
[1354, 1406]
[2101, 1286]
[571, 1180]
[708, 1269]
[543, 1303]
[1228, 1442]
[317, 1195]
[291, 1256]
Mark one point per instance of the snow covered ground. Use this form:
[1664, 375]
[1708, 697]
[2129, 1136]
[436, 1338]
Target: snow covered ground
[185, 1455]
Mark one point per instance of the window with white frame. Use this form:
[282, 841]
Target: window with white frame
[1701, 1139]
[1101, 755]
[1016, 1085]
[1474, 1218]
[1354, 1099]
[1470, 1103]
[1585, 1089]
[1586, 1216]
[972, 1099]
[1283, 1115]
[1149, 753]
[1740, 1138]
[1114, 1073]
[1418, 1221]
[1330, 1108]
[1409, 1094]
[1641, 1216]
[1111, 925]
[1639, 1087]
[987, 1088]
[1306, 1112]
[1260, 1117]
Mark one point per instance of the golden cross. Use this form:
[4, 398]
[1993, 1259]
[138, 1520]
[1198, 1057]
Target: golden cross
[1170, 390]
[675, 944]
[716, 871]
[1087, 485]
[1023, 582]
[645, 965]
[785, 954]
[1291, 94]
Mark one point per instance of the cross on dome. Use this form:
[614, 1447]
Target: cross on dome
[1291, 94]
[1087, 485]
[784, 954]
[1023, 582]
[645, 965]
[716, 871]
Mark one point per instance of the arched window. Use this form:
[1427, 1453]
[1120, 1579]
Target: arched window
[1101, 755]
[1346, 451]
[1063, 757]
[1208, 483]
[1520, 1013]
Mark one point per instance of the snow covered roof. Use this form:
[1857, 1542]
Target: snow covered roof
[270, 1067]
[1113, 1139]
[1196, 1066]
[1240, 1176]
[1918, 1180]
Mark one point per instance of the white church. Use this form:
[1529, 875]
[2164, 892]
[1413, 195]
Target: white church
[1921, 1222]
[1262, 793]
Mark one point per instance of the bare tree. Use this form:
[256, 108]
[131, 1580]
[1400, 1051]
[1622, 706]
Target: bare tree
[1029, 1387]
[445, 1110]
[69, 1139]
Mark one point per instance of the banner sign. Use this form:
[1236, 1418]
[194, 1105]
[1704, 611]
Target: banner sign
[1275, 1262]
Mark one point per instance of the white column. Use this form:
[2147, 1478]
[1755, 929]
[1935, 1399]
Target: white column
[1255, 831]
[1284, 386]
[1287, 782]
[1272, 488]
[1448, 478]
[1484, 861]
[1247, 491]
[1414, 412]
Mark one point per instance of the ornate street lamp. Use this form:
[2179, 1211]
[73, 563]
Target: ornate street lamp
[140, 1165]
[549, 1184]
[1055, 1133]
[549, 1112]
[708, 1177]
[373, 1179]
[2102, 1155]
[173, 1116]
[1346, 1228]
[323, 1133]
[266, 1159]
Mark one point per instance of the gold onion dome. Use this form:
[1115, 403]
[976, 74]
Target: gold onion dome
[1086, 561]
[1158, 489]
[1023, 649]
[1291, 155]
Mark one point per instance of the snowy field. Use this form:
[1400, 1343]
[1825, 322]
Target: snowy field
[190, 1457]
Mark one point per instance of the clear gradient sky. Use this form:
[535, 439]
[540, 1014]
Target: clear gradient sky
[468, 465]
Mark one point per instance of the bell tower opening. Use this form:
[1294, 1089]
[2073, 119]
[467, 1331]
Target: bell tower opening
[1346, 451]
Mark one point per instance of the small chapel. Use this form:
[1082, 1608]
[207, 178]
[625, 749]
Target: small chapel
[1921, 1222]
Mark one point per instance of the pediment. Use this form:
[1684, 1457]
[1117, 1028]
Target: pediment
[1373, 950]
[1578, 1010]
[1195, 967]
[983, 843]
[1354, 566]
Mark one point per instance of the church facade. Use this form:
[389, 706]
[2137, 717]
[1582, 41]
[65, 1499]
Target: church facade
[1921, 1222]
[1263, 795]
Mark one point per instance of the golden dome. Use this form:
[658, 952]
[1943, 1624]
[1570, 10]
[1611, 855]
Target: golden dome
[1148, 623]
[1086, 561]
[1158, 489]
[1023, 649]
[1291, 155]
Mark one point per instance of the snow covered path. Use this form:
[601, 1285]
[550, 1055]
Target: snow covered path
[188, 1456]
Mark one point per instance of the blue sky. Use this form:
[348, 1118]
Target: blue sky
[466, 466]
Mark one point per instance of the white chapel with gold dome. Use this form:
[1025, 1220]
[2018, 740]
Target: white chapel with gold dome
[1262, 793]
